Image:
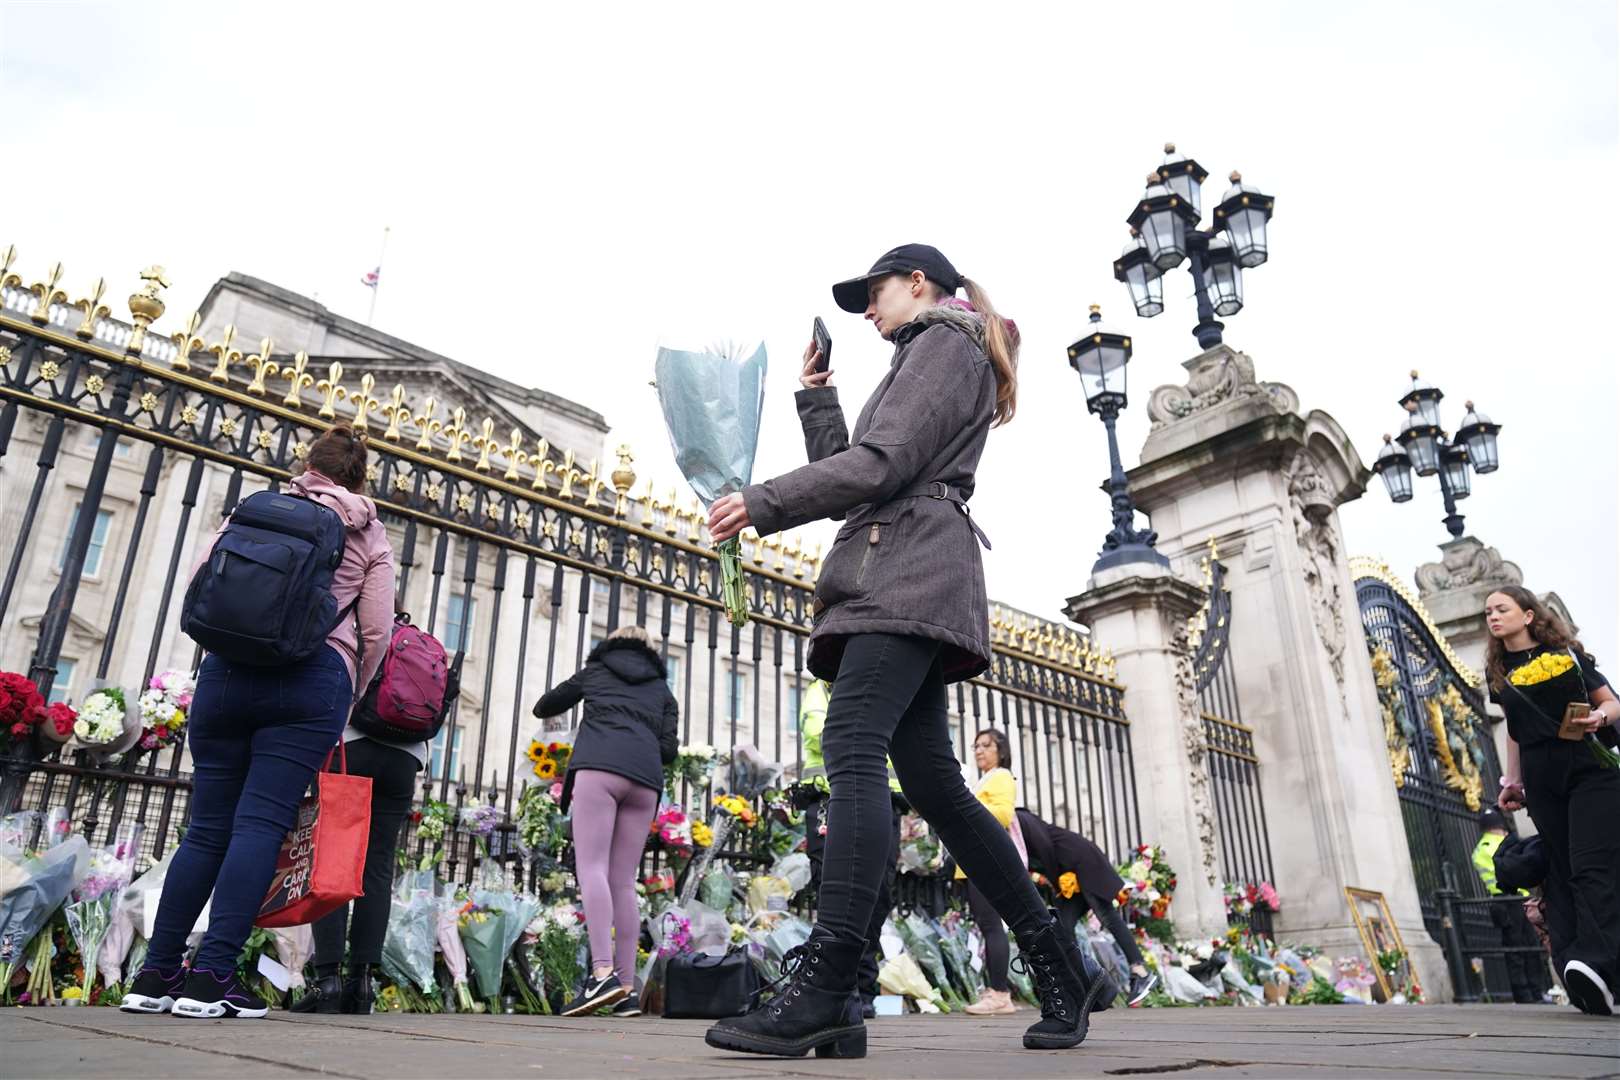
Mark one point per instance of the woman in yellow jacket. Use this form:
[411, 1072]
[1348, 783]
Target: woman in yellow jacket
[998, 791]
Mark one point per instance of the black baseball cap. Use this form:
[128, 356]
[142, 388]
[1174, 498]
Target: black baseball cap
[851, 295]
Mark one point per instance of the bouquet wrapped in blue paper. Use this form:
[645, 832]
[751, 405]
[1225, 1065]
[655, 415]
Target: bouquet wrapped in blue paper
[712, 400]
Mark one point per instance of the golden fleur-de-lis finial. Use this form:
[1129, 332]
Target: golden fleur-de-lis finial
[225, 355]
[364, 402]
[396, 410]
[427, 424]
[456, 431]
[568, 473]
[331, 391]
[514, 455]
[541, 460]
[8, 280]
[46, 293]
[593, 484]
[486, 444]
[298, 380]
[263, 367]
[185, 341]
[93, 309]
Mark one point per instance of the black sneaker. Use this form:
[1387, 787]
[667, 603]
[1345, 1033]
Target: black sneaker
[1141, 986]
[627, 1007]
[597, 993]
[154, 991]
[1587, 990]
[208, 996]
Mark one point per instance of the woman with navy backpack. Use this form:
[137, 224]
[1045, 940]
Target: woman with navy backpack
[270, 705]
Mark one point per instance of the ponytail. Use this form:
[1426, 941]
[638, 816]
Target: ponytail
[1001, 346]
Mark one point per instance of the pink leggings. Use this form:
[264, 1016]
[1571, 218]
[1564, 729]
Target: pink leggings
[611, 816]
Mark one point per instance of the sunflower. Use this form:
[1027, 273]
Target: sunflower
[1068, 885]
[537, 751]
[545, 769]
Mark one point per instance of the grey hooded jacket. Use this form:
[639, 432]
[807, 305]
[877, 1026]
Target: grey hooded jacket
[907, 561]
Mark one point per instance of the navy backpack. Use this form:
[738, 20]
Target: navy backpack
[264, 597]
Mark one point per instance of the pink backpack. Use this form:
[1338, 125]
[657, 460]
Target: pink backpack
[412, 691]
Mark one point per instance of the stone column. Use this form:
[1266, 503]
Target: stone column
[1234, 459]
[1141, 610]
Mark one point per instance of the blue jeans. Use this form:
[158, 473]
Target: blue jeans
[257, 737]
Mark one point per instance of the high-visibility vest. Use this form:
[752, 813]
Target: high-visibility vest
[1485, 862]
[812, 719]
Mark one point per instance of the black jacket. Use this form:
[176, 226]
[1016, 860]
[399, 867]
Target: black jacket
[1055, 851]
[631, 724]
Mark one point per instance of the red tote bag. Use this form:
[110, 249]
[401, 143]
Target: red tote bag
[324, 856]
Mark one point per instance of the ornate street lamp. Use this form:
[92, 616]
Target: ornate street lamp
[1100, 359]
[1135, 268]
[1424, 448]
[1395, 468]
[1167, 220]
[1479, 435]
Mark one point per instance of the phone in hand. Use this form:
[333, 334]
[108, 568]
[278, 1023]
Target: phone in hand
[823, 340]
[1574, 726]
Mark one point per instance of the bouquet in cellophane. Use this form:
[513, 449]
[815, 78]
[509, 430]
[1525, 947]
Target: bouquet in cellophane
[712, 400]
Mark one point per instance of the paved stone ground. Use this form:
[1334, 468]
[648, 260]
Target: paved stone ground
[1321, 1041]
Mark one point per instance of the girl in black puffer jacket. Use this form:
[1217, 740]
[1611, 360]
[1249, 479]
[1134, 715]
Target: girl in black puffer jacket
[629, 732]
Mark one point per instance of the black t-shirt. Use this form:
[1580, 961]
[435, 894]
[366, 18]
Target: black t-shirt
[1526, 723]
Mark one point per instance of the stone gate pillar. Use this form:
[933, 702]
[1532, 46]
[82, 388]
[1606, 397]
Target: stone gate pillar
[1234, 459]
[1141, 610]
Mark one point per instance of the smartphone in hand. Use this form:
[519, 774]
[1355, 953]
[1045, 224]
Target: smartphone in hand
[823, 340]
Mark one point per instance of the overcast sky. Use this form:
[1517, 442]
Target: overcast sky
[567, 184]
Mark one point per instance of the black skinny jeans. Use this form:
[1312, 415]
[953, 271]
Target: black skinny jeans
[889, 701]
[393, 787]
[814, 843]
[1575, 803]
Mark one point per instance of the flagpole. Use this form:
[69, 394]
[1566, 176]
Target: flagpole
[375, 289]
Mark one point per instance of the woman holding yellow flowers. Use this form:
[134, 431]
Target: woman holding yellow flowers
[1561, 765]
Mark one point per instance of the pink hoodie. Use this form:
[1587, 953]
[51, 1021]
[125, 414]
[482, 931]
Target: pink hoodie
[367, 571]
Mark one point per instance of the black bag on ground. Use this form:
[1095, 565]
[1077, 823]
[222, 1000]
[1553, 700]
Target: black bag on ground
[698, 986]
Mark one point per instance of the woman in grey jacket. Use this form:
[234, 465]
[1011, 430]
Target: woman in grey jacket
[900, 611]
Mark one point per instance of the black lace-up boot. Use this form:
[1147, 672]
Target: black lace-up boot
[814, 1007]
[1067, 996]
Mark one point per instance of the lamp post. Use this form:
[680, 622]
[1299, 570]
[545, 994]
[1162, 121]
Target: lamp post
[1100, 359]
[1165, 233]
[1422, 447]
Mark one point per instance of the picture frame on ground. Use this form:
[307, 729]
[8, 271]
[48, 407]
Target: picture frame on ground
[1380, 938]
